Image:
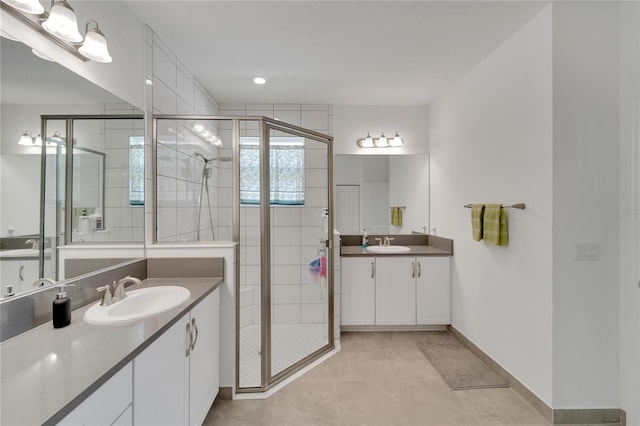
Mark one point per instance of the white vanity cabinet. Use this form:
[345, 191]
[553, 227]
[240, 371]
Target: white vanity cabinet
[358, 290]
[176, 378]
[110, 404]
[19, 273]
[433, 294]
[395, 290]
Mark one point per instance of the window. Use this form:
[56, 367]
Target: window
[136, 171]
[286, 171]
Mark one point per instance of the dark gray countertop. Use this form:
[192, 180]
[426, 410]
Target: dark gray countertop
[352, 251]
[47, 372]
[420, 245]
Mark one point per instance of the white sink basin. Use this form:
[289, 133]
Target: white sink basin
[138, 305]
[388, 249]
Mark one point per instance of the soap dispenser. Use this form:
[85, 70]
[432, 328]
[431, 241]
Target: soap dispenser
[62, 308]
[365, 238]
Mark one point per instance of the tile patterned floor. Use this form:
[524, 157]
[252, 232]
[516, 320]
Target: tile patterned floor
[290, 343]
[377, 379]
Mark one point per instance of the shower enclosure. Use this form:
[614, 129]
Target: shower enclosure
[268, 188]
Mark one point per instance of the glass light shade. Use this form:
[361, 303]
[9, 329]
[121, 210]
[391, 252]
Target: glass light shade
[381, 142]
[396, 141]
[41, 55]
[38, 141]
[8, 36]
[55, 139]
[26, 139]
[62, 22]
[366, 142]
[95, 45]
[29, 6]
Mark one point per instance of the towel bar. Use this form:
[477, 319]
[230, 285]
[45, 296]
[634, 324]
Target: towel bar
[520, 206]
[400, 207]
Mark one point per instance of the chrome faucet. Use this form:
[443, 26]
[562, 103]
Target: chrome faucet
[40, 282]
[34, 243]
[109, 298]
[118, 291]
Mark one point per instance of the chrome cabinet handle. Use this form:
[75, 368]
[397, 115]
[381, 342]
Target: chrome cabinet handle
[194, 327]
[413, 269]
[189, 339]
[419, 269]
[373, 269]
[21, 273]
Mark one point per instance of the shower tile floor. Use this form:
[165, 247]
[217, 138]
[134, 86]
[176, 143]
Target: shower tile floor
[378, 378]
[289, 342]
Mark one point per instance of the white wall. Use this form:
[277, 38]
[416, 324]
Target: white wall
[585, 186]
[630, 211]
[124, 32]
[352, 122]
[491, 142]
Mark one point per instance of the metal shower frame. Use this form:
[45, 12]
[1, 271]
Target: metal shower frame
[266, 124]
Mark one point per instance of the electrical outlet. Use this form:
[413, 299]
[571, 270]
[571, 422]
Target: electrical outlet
[587, 250]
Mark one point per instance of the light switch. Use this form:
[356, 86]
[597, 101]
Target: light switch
[587, 250]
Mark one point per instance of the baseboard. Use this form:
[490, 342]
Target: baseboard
[558, 416]
[587, 416]
[359, 328]
[538, 404]
[225, 393]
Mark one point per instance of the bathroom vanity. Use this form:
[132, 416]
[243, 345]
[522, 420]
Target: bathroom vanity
[395, 289]
[163, 369]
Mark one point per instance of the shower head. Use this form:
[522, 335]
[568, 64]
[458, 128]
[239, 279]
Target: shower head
[206, 160]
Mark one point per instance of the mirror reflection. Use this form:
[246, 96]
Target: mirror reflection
[105, 183]
[370, 187]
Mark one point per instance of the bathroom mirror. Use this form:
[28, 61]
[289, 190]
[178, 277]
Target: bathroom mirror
[31, 88]
[369, 186]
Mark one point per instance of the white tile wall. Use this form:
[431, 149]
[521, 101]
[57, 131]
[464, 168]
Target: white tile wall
[296, 231]
[175, 90]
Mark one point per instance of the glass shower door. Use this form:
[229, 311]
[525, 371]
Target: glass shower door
[299, 202]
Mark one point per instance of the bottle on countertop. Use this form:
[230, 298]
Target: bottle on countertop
[61, 309]
[95, 220]
[83, 223]
[365, 238]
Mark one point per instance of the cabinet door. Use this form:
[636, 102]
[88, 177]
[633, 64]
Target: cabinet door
[160, 377]
[358, 291]
[395, 290]
[204, 358]
[10, 275]
[107, 404]
[433, 293]
[28, 274]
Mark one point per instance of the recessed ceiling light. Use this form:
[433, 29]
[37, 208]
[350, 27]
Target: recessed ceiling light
[148, 81]
[259, 80]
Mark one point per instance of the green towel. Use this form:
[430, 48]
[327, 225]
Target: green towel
[476, 221]
[396, 216]
[495, 225]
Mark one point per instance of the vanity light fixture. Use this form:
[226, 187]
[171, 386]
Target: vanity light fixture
[8, 36]
[61, 26]
[381, 142]
[95, 44]
[29, 6]
[41, 55]
[27, 140]
[62, 22]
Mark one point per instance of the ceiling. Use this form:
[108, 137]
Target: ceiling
[336, 52]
